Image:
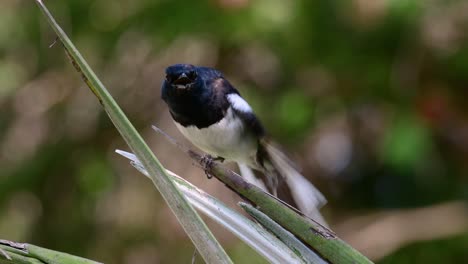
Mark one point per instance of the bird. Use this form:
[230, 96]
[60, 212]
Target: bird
[211, 113]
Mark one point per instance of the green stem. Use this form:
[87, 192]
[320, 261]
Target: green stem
[21, 253]
[203, 239]
[286, 237]
[321, 239]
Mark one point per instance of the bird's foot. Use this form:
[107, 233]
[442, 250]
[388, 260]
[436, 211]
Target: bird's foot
[207, 161]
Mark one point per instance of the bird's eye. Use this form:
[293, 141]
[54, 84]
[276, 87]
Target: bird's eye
[168, 78]
[192, 75]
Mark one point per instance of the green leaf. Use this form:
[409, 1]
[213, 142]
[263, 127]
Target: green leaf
[263, 242]
[21, 253]
[203, 239]
[289, 239]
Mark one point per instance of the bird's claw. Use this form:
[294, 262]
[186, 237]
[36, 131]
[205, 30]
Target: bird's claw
[207, 161]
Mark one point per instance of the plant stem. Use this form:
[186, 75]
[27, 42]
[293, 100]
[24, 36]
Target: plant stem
[202, 238]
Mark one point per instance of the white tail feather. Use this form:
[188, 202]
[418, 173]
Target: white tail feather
[308, 198]
[249, 176]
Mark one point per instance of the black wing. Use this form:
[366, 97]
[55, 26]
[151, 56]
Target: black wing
[222, 87]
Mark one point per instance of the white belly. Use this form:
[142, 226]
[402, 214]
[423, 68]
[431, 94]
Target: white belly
[228, 139]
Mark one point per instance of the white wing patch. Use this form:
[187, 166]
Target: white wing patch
[238, 103]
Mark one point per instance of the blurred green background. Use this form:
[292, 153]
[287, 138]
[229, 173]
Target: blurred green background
[368, 96]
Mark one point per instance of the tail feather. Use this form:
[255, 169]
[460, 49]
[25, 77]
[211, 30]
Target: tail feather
[308, 198]
[250, 177]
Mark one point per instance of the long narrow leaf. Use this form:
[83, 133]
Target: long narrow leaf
[284, 235]
[321, 239]
[269, 246]
[22, 253]
[203, 239]
[318, 237]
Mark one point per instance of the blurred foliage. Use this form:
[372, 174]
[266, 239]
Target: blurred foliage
[369, 95]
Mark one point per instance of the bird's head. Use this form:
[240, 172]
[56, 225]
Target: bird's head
[186, 83]
[181, 77]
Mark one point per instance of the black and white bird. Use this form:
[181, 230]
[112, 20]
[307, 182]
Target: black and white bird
[211, 113]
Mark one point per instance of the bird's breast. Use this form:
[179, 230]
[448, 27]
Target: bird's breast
[228, 138]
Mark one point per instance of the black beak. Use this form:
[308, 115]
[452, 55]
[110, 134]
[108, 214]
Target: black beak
[183, 79]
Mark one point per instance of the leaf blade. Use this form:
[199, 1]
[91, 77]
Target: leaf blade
[201, 236]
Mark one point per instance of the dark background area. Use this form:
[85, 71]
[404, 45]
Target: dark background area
[368, 96]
